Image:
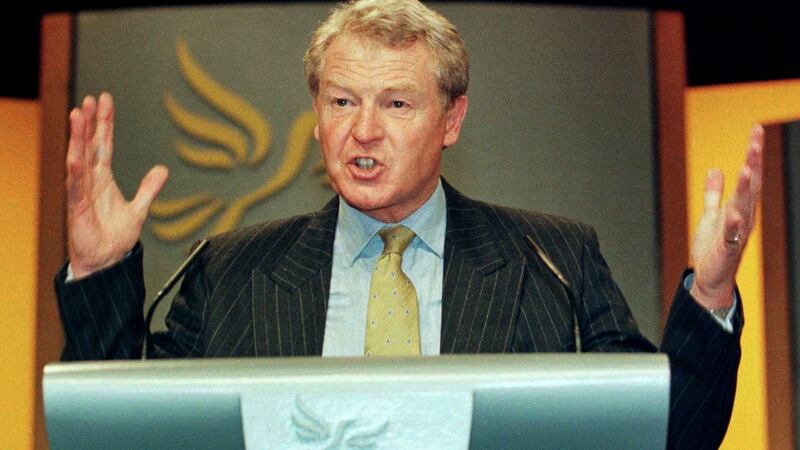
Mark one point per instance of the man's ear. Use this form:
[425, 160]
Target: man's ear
[456, 111]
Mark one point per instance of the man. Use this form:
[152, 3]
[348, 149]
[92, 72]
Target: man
[389, 81]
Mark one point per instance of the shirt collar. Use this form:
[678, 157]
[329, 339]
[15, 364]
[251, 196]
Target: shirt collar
[356, 229]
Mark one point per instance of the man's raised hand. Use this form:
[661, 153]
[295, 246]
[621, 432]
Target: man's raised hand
[102, 226]
[724, 230]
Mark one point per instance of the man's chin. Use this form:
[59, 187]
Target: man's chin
[364, 205]
[377, 208]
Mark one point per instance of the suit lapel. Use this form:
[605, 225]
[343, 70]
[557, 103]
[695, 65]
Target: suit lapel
[480, 297]
[481, 284]
[290, 296]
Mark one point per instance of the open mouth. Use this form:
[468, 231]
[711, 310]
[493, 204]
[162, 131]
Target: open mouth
[364, 163]
[365, 168]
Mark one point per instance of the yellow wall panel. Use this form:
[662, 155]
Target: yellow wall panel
[718, 122]
[19, 203]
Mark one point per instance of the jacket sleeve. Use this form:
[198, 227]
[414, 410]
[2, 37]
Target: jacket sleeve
[102, 314]
[704, 360]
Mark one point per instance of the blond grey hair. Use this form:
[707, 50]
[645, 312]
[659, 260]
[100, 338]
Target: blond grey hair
[394, 23]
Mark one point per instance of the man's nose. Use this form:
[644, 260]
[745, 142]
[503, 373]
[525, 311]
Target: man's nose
[369, 125]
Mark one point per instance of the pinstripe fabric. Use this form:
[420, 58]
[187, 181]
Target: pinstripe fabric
[262, 291]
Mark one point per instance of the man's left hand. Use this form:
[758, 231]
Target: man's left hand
[724, 229]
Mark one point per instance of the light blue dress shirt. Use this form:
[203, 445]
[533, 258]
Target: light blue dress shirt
[356, 249]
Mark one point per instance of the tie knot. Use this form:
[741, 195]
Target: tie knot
[396, 239]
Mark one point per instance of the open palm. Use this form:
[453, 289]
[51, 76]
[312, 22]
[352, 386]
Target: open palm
[724, 229]
[102, 225]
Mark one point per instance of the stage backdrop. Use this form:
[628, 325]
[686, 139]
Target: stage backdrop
[561, 120]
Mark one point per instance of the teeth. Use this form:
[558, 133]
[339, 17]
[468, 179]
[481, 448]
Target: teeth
[365, 163]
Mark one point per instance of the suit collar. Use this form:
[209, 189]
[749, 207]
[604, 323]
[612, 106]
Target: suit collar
[469, 234]
[473, 260]
[290, 292]
[312, 250]
[481, 283]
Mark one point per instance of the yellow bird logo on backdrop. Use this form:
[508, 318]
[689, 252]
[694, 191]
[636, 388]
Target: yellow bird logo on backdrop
[226, 148]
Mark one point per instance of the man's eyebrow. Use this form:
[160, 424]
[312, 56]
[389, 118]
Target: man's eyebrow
[329, 84]
[402, 87]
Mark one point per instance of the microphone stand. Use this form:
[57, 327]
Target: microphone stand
[147, 344]
[576, 331]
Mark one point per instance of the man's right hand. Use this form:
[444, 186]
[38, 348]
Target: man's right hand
[102, 225]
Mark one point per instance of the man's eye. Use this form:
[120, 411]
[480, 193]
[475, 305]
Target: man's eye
[399, 104]
[342, 102]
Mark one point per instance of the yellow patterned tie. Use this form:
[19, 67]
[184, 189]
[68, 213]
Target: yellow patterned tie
[392, 312]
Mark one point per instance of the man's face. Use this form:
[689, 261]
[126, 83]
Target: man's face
[382, 125]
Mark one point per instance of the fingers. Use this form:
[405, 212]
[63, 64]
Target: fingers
[88, 111]
[76, 150]
[91, 130]
[744, 198]
[732, 231]
[754, 161]
[748, 185]
[104, 136]
[148, 190]
[713, 190]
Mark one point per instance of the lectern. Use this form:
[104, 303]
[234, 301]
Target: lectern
[563, 401]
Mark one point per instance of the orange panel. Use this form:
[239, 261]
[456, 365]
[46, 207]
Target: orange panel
[718, 122]
[19, 217]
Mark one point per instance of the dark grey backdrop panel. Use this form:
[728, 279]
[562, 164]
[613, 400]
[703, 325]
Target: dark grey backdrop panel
[792, 160]
[560, 117]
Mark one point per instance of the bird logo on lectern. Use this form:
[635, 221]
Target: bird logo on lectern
[309, 428]
[224, 148]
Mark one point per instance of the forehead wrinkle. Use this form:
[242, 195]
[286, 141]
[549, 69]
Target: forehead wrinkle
[346, 78]
[360, 68]
[370, 69]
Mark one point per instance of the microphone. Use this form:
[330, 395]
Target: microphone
[147, 345]
[576, 331]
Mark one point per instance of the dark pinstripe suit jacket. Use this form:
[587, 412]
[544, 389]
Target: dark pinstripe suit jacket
[262, 291]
